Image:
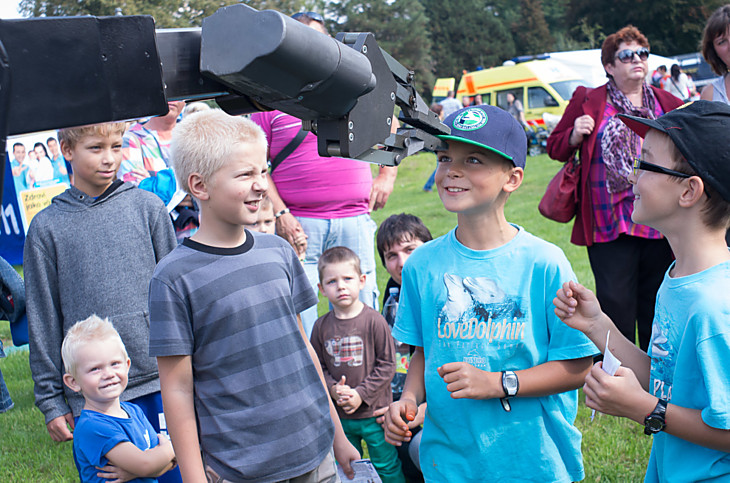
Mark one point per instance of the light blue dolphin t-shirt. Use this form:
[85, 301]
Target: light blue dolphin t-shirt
[494, 310]
[690, 349]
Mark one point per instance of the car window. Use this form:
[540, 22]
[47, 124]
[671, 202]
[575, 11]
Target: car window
[538, 98]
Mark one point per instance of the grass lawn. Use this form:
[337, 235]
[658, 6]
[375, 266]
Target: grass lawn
[613, 450]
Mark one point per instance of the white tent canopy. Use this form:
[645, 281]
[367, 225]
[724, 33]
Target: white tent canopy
[588, 64]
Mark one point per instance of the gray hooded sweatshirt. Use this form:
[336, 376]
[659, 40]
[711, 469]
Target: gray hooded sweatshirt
[87, 256]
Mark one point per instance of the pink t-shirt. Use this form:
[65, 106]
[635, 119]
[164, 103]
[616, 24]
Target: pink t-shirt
[313, 186]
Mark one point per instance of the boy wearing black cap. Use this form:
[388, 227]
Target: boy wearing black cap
[680, 390]
[497, 367]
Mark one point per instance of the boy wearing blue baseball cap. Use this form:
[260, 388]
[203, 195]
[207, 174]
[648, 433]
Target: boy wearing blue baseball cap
[497, 367]
[680, 390]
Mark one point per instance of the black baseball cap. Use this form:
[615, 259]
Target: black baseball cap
[700, 130]
[491, 128]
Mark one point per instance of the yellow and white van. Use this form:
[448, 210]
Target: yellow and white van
[540, 85]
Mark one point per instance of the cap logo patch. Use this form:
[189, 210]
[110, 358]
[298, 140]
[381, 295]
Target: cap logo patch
[471, 119]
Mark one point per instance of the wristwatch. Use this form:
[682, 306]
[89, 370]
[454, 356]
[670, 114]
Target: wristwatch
[281, 213]
[654, 422]
[510, 386]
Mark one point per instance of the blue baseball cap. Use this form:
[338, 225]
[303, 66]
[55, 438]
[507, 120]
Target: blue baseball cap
[491, 128]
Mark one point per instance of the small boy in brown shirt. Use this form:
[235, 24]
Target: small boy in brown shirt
[355, 348]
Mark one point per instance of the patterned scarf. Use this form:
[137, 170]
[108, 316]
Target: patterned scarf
[620, 144]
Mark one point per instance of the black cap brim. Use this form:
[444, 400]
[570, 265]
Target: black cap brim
[641, 125]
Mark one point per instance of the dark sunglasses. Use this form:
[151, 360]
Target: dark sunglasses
[313, 15]
[627, 55]
[643, 165]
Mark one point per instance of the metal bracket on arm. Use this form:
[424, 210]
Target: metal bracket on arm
[424, 123]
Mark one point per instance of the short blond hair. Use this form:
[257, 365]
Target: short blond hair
[204, 141]
[266, 204]
[72, 135]
[87, 331]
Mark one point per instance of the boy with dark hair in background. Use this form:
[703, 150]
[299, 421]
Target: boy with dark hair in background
[398, 236]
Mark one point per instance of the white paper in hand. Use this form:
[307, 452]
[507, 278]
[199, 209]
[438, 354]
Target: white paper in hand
[364, 473]
[610, 365]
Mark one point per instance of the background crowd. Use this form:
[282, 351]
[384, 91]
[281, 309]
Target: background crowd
[317, 204]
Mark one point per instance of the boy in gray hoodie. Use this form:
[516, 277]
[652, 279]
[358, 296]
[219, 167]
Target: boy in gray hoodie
[93, 251]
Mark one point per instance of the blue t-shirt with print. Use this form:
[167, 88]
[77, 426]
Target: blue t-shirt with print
[494, 310]
[97, 433]
[689, 350]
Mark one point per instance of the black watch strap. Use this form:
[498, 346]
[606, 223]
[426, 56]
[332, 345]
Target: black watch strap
[655, 421]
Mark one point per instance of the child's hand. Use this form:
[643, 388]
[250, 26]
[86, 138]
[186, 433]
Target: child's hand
[577, 306]
[114, 474]
[345, 454]
[620, 395]
[397, 419]
[139, 174]
[341, 392]
[352, 402]
[419, 418]
[466, 381]
[58, 428]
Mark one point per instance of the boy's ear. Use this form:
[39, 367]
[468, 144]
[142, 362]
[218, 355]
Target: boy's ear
[693, 192]
[516, 175]
[66, 151]
[69, 380]
[363, 278]
[198, 187]
[319, 286]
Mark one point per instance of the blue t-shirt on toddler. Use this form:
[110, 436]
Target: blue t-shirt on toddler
[492, 309]
[96, 434]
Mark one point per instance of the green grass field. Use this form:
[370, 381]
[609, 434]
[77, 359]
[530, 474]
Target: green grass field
[613, 450]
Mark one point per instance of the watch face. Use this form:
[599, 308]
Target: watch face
[510, 383]
[653, 424]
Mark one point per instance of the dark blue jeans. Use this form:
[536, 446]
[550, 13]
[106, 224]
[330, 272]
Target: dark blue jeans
[5, 401]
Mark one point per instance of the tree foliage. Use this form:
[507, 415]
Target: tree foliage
[400, 28]
[467, 34]
[531, 32]
[446, 37]
[167, 13]
[671, 26]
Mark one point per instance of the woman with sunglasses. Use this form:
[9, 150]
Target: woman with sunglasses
[628, 260]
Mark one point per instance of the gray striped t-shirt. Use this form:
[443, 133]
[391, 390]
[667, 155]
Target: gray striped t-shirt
[262, 411]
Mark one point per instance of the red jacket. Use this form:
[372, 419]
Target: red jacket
[591, 102]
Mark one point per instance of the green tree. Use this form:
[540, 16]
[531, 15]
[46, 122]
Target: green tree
[467, 34]
[400, 28]
[531, 32]
[671, 26]
[167, 13]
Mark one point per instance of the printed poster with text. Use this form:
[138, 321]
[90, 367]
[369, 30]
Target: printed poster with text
[38, 172]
